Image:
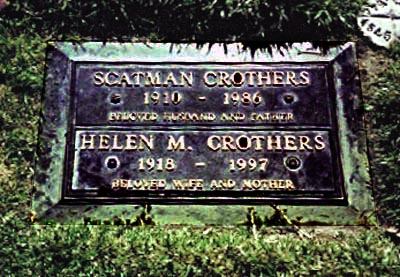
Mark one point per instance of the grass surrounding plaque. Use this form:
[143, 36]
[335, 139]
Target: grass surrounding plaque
[109, 250]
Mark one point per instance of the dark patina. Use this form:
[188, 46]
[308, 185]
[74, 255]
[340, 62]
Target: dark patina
[138, 124]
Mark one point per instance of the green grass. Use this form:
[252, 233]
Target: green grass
[98, 250]
[381, 88]
[277, 20]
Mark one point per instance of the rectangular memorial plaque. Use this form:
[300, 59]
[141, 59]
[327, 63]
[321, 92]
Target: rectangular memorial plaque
[137, 123]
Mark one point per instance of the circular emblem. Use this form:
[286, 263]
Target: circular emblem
[380, 21]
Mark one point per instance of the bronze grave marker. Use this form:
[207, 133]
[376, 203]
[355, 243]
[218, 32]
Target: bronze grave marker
[173, 124]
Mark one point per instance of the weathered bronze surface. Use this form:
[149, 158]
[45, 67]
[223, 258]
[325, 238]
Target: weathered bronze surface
[146, 103]
[215, 102]
[132, 124]
[162, 173]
